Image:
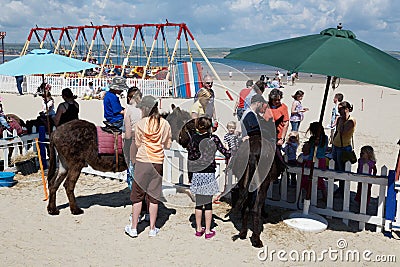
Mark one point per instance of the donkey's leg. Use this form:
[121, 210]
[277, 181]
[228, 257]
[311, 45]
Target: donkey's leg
[245, 218]
[53, 185]
[256, 212]
[69, 184]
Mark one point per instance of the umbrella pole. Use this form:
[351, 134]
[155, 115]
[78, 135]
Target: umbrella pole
[328, 83]
[47, 108]
[304, 221]
[321, 116]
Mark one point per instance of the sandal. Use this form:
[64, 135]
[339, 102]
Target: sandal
[199, 234]
[210, 235]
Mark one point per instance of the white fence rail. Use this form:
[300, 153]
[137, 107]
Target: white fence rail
[78, 85]
[338, 207]
[175, 172]
[20, 144]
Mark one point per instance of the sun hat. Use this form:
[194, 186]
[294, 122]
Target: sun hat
[118, 84]
[258, 98]
[147, 101]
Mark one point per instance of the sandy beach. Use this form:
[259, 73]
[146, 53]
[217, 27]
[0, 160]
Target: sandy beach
[30, 237]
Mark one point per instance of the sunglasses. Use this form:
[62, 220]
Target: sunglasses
[209, 83]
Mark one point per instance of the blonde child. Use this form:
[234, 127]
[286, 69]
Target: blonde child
[290, 149]
[231, 140]
[367, 156]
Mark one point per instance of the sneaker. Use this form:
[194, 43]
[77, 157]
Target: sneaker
[154, 232]
[210, 235]
[130, 232]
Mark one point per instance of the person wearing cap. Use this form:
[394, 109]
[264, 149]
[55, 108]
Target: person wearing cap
[152, 136]
[239, 106]
[113, 111]
[279, 113]
[258, 88]
[249, 123]
[67, 110]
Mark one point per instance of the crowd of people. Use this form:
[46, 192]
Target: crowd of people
[146, 135]
[319, 147]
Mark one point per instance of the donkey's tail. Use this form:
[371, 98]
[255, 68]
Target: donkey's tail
[52, 162]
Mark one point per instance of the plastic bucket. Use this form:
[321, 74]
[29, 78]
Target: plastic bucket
[7, 179]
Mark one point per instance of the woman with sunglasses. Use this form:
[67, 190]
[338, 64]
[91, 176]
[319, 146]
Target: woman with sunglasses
[342, 139]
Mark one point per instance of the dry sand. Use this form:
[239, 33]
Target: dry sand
[31, 237]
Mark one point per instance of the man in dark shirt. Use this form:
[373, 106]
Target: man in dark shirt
[249, 122]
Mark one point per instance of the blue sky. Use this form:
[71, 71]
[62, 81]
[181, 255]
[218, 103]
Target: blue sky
[215, 23]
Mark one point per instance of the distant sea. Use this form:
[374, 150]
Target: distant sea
[215, 56]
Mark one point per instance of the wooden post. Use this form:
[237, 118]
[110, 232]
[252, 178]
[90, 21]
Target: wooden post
[46, 196]
[42, 139]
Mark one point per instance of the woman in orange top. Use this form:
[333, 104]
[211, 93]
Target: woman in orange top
[152, 136]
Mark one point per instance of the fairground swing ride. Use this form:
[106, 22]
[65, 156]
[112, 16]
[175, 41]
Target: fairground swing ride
[123, 50]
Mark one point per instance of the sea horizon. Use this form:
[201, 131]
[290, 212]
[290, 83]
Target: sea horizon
[215, 56]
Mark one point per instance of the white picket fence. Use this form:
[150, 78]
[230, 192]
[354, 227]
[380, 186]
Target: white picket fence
[344, 211]
[175, 172]
[78, 85]
[21, 144]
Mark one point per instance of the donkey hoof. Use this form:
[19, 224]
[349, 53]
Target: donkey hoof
[243, 235]
[76, 211]
[53, 211]
[256, 242]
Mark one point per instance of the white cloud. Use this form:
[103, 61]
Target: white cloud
[215, 23]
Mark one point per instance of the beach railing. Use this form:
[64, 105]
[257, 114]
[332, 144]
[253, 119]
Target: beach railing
[21, 144]
[78, 85]
[175, 171]
[175, 167]
[344, 207]
[8, 84]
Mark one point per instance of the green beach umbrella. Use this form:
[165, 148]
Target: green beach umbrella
[332, 52]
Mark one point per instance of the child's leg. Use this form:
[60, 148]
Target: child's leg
[358, 194]
[369, 193]
[198, 211]
[292, 175]
[208, 214]
[208, 219]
